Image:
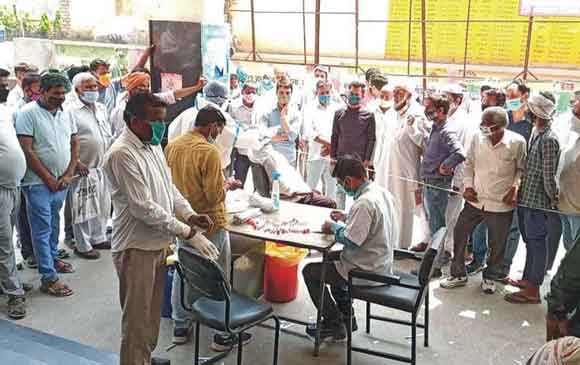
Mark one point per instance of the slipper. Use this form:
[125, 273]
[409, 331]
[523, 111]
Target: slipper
[63, 267]
[56, 291]
[521, 298]
[16, 307]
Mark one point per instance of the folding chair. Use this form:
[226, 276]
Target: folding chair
[404, 292]
[220, 308]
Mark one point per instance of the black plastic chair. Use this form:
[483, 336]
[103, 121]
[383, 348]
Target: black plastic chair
[219, 307]
[404, 292]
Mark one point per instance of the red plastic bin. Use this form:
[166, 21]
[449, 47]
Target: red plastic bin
[280, 280]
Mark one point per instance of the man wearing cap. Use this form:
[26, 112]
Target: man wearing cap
[196, 169]
[458, 120]
[141, 81]
[49, 140]
[149, 213]
[538, 195]
[404, 160]
[494, 166]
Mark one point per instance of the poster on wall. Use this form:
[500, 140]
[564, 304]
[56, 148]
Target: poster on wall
[215, 52]
[177, 61]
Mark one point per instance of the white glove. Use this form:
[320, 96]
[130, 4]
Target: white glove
[205, 247]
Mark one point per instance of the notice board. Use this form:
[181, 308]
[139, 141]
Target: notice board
[177, 61]
[489, 43]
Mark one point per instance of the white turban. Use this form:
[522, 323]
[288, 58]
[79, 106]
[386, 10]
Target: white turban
[542, 107]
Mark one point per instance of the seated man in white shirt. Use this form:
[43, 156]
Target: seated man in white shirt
[318, 120]
[368, 233]
[494, 166]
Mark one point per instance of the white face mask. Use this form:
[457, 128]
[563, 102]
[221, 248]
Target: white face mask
[575, 124]
[486, 131]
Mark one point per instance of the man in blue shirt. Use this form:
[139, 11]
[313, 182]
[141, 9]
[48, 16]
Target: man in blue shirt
[49, 141]
[367, 233]
[282, 124]
[443, 151]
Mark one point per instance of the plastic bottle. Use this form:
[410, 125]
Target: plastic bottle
[276, 190]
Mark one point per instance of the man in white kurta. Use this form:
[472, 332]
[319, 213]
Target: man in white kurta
[95, 136]
[404, 158]
[459, 120]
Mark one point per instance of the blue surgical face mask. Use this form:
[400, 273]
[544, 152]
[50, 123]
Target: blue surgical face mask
[157, 132]
[354, 99]
[514, 104]
[324, 99]
[90, 97]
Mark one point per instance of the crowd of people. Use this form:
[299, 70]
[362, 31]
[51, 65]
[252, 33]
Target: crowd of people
[489, 171]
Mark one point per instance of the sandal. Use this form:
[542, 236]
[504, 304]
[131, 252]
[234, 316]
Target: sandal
[16, 307]
[56, 289]
[63, 267]
[521, 298]
[522, 284]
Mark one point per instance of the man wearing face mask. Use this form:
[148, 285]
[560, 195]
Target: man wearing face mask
[353, 132]
[149, 213]
[538, 194]
[282, 124]
[50, 143]
[95, 137]
[141, 81]
[318, 130]
[245, 115]
[384, 130]
[375, 85]
[517, 94]
[493, 168]
[17, 94]
[569, 176]
[403, 157]
[196, 167]
[458, 121]
[368, 233]
[443, 152]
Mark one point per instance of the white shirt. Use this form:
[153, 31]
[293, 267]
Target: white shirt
[93, 130]
[116, 118]
[144, 197]
[492, 170]
[13, 161]
[318, 123]
[569, 176]
[246, 117]
[14, 96]
[464, 128]
[371, 226]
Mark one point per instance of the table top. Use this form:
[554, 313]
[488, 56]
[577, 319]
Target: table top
[314, 216]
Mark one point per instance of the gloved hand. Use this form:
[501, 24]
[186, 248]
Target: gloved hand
[205, 247]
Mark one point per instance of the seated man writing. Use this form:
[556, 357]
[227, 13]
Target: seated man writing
[292, 185]
[368, 233]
